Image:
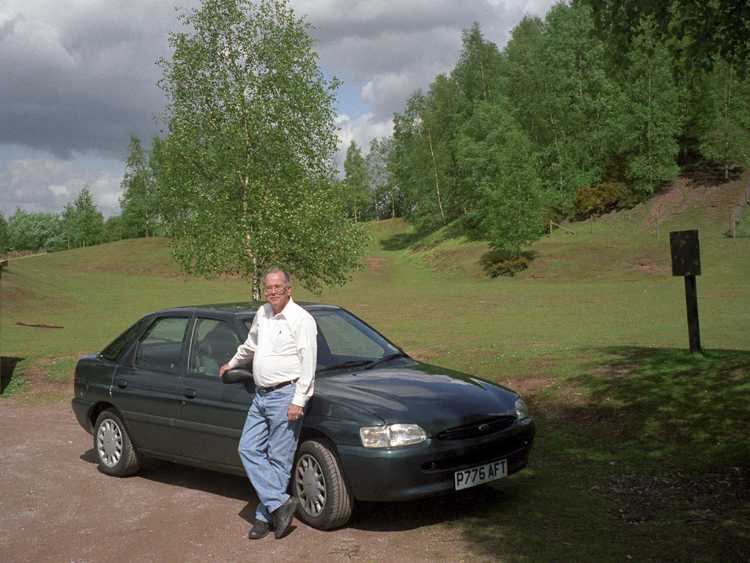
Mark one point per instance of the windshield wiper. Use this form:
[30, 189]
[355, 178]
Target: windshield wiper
[347, 364]
[386, 358]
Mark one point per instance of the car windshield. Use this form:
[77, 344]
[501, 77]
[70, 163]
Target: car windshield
[345, 341]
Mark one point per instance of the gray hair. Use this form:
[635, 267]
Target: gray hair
[275, 270]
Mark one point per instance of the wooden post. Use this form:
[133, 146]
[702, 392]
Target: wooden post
[691, 299]
[686, 261]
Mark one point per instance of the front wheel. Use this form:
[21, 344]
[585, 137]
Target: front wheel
[114, 450]
[318, 483]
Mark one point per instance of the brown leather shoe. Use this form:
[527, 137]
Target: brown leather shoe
[282, 517]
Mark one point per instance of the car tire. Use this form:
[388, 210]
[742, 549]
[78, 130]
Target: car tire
[115, 453]
[319, 485]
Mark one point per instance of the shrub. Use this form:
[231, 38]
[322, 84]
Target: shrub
[599, 199]
[504, 263]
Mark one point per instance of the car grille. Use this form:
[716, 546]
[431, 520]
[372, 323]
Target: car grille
[477, 429]
[497, 449]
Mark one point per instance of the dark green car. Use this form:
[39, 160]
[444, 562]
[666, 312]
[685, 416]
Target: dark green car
[381, 426]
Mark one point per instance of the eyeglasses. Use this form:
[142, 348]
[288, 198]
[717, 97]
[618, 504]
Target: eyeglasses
[276, 289]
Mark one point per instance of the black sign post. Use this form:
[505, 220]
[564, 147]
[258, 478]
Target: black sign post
[686, 261]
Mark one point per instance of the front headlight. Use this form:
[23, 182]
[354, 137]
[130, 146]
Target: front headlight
[521, 410]
[391, 436]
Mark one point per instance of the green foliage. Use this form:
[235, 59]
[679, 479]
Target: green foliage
[138, 201]
[113, 229]
[356, 184]
[387, 198]
[503, 168]
[34, 231]
[723, 123]
[652, 121]
[581, 105]
[82, 222]
[3, 234]
[699, 32]
[413, 168]
[479, 67]
[503, 263]
[599, 199]
[245, 174]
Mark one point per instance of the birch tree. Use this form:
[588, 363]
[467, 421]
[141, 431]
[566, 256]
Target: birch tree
[245, 174]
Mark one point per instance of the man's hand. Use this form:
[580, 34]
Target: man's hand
[223, 369]
[294, 413]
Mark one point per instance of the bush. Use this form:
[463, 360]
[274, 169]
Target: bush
[600, 199]
[504, 263]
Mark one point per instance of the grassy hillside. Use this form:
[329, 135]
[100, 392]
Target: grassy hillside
[642, 447]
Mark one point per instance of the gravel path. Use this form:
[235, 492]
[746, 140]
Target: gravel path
[56, 506]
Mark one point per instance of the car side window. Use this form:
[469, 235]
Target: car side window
[161, 346]
[214, 344]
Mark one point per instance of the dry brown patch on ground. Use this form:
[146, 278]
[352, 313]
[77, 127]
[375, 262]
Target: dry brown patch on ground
[531, 386]
[650, 266]
[40, 389]
[375, 265]
[423, 354]
[683, 194]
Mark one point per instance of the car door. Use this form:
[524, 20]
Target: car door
[213, 413]
[148, 387]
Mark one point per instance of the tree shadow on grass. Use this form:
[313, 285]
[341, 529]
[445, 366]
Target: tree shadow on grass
[400, 241]
[644, 454]
[672, 403]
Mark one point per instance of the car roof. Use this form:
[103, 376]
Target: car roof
[239, 308]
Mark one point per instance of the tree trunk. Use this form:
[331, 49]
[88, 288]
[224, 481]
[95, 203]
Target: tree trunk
[254, 274]
[437, 183]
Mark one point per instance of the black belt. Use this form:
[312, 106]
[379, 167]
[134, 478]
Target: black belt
[274, 387]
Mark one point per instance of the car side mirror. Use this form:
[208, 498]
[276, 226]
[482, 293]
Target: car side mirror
[237, 375]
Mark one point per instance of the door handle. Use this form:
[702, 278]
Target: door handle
[190, 393]
[122, 383]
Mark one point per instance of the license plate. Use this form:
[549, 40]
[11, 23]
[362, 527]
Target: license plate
[480, 474]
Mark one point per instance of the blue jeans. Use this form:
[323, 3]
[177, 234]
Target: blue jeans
[267, 448]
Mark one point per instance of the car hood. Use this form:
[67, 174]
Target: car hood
[433, 397]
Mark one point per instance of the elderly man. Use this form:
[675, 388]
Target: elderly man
[283, 347]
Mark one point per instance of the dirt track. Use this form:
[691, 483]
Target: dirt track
[56, 506]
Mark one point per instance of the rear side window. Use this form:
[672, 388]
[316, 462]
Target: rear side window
[161, 346]
[214, 344]
[116, 348]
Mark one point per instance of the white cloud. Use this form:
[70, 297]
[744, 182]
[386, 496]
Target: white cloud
[57, 190]
[361, 129]
[46, 183]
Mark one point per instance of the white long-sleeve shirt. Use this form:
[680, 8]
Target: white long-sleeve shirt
[285, 348]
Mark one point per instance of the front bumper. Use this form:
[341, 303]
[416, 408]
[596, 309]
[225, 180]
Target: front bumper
[427, 469]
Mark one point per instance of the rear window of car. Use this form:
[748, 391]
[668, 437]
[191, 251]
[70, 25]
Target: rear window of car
[115, 349]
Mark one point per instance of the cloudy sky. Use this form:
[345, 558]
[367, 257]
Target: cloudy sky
[79, 77]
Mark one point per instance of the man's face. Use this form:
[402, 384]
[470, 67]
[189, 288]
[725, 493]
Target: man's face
[277, 291]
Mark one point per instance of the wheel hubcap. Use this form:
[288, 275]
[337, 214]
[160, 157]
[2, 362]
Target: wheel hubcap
[310, 485]
[109, 442]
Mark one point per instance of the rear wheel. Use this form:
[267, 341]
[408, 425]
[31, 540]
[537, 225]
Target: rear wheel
[114, 450]
[318, 483]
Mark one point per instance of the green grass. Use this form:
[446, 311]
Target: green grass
[642, 448]
[62, 369]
